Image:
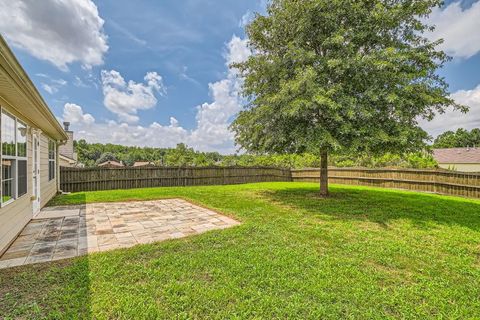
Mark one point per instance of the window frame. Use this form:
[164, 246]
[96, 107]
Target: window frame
[14, 158]
[54, 160]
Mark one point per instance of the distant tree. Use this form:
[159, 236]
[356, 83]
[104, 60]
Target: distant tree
[330, 75]
[107, 156]
[458, 139]
[182, 155]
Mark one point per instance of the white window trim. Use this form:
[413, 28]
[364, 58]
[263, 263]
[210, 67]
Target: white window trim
[15, 158]
[54, 160]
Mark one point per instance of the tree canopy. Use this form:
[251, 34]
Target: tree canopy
[330, 75]
[459, 139]
[92, 154]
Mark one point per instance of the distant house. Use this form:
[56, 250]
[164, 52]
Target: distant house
[67, 155]
[65, 161]
[144, 164]
[111, 164]
[459, 159]
[29, 139]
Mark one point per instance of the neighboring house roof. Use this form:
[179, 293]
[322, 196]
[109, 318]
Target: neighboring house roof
[71, 160]
[143, 163]
[111, 163]
[457, 155]
[18, 92]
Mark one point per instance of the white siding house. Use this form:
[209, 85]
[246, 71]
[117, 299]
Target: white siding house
[30, 136]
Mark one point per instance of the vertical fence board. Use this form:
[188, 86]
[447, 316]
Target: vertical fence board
[92, 179]
[437, 181]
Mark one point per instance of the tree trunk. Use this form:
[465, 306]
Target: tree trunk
[324, 173]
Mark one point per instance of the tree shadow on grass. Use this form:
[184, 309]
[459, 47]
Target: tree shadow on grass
[381, 206]
[55, 290]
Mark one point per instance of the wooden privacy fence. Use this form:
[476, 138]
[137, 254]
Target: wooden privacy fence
[92, 179]
[438, 181]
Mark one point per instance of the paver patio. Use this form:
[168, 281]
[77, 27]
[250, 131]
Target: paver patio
[68, 231]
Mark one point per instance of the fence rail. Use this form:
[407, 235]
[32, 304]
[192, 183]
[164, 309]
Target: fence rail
[93, 179]
[437, 181]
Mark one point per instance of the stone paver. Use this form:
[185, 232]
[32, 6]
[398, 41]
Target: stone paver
[69, 231]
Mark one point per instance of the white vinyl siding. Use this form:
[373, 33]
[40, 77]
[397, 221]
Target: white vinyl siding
[48, 188]
[16, 214]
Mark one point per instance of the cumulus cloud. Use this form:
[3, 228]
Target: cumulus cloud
[74, 114]
[212, 119]
[458, 27]
[125, 99]
[87, 127]
[452, 120]
[60, 32]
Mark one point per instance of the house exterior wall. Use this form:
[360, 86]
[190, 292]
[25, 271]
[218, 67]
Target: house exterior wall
[463, 167]
[48, 188]
[15, 215]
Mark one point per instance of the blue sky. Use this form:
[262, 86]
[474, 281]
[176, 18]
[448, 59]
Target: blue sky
[155, 72]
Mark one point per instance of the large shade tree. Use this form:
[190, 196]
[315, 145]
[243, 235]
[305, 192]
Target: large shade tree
[329, 75]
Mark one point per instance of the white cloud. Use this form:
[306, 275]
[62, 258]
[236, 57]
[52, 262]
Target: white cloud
[212, 119]
[78, 82]
[125, 99]
[87, 127]
[60, 32]
[237, 51]
[50, 89]
[452, 120]
[74, 114]
[460, 29]
[246, 19]
[53, 85]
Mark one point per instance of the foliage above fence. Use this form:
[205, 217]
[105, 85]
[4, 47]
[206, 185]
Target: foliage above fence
[437, 181]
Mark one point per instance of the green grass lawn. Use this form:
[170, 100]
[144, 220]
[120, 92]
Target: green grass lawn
[363, 253]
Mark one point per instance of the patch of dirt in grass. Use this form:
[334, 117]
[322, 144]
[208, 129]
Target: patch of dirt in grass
[390, 275]
[204, 277]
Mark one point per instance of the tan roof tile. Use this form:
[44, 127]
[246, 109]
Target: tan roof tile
[457, 155]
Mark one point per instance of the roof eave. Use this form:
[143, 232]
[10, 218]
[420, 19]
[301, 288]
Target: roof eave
[12, 66]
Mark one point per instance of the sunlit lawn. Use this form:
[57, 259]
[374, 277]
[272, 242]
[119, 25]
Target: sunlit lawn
[363, 253]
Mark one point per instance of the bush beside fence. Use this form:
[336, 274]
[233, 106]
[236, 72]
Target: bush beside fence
[92, 179]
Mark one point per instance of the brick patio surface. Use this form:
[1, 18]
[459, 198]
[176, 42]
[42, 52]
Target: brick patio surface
[69, 231]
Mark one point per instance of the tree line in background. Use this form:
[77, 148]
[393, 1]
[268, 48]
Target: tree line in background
[92, 154]
[459, 139]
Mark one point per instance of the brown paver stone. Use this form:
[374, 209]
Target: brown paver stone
[69, 231]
